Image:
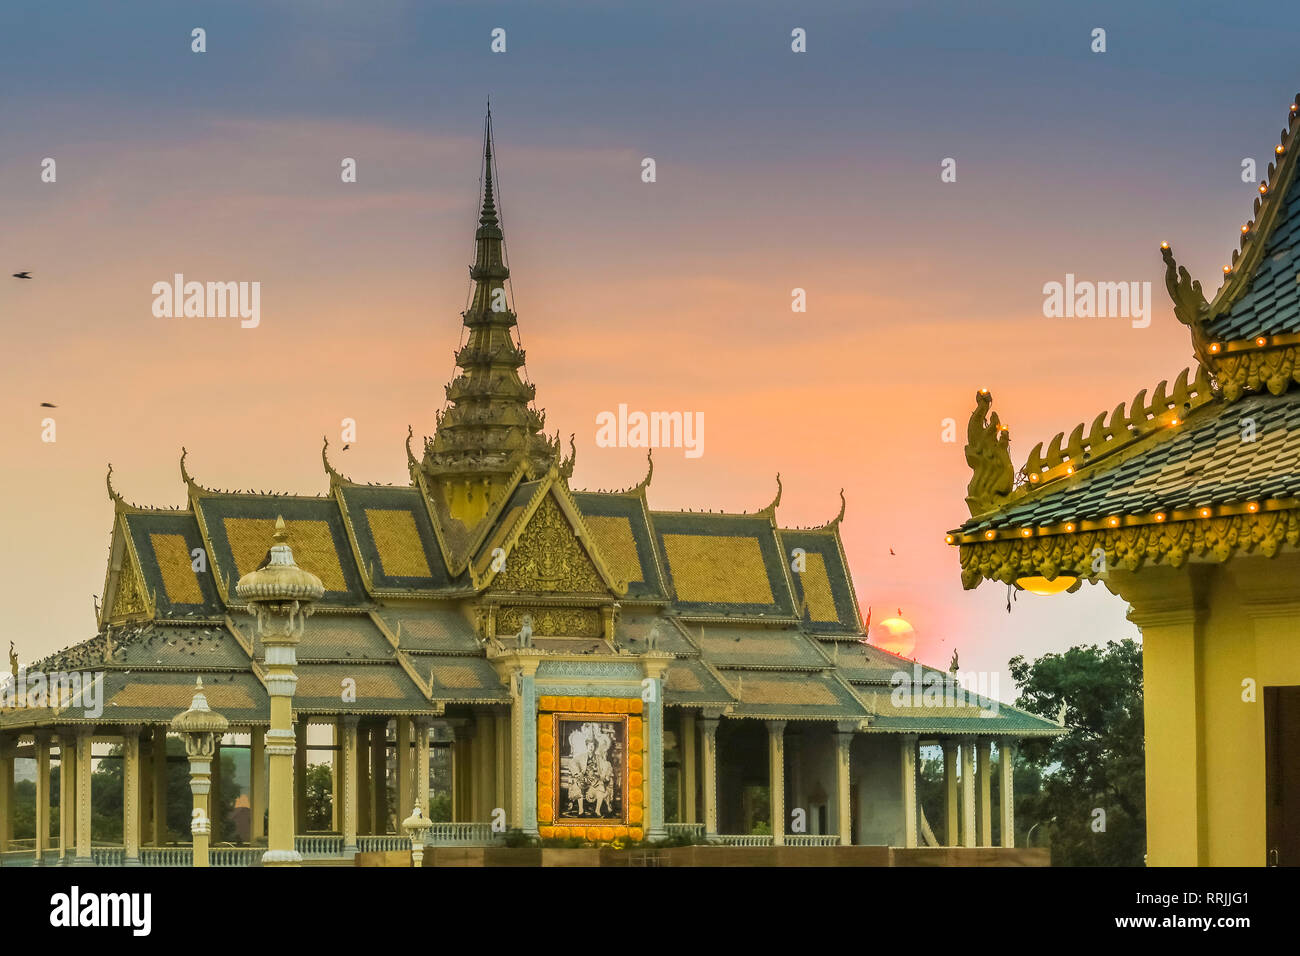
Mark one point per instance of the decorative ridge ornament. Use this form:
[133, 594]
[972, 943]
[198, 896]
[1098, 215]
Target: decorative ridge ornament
[834, 523]
[120, 504]
[1190, 306]
[1142, 418]
[989, 457]
[770, 509]
[334, 476]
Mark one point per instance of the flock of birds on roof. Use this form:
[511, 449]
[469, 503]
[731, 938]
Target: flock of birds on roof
[112, 643]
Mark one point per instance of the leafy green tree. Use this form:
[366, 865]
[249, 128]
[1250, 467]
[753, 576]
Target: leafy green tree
[1091, 802]
[24, 809]
[320, 797]
[106, 796]
[440, 807]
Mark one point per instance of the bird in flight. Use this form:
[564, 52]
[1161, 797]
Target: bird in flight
[48, 405]
[22, 275]
[346, 447]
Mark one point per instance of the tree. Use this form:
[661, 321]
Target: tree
[106, 795]
[320, 797]
[1092, 801]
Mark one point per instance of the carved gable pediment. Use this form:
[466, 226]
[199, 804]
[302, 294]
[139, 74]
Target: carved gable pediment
[549, 558]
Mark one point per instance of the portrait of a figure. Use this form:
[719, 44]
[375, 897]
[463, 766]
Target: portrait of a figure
[591, 773]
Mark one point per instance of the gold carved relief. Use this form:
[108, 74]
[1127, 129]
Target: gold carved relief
[552, 621]
[548, 558]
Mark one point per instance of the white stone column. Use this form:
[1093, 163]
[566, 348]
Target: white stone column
[843, 793]
[348, 762]
[1007, 795]
[709, 744]
[131, 795]
[776, 778]
[968, 794]
[907, 760]
[85, 737]
[985, 753]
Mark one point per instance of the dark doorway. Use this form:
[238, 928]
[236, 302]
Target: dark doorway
[1282, 760]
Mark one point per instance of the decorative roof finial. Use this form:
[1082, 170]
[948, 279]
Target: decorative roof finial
[1189, 303]
[989, 455]
[329, 469]
[771, 508]
[488, 215]
[112, 492]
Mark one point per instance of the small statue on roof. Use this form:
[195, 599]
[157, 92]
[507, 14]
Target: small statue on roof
[13, 660]
[652, 639]
[988, 453]
[525, 634]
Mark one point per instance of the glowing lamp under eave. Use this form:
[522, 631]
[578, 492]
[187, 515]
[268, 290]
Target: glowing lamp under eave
[894, 635]
[1062, 582]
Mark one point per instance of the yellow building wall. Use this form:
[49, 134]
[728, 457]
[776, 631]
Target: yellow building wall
[1207, 629]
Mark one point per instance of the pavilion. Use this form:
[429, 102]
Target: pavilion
[595, 668]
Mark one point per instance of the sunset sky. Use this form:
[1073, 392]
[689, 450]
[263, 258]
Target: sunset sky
[775, 170]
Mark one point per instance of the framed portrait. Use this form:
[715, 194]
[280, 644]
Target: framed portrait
[590, 769]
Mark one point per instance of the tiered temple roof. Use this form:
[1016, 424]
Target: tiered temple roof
[422, 582]
[1201, 471]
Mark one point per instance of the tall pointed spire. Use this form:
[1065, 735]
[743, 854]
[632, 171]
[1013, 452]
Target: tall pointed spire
[489, 426]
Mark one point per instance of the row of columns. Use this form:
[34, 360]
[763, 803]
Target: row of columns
[976, 824]
[969, 815]
[75, 755]
[708, 741]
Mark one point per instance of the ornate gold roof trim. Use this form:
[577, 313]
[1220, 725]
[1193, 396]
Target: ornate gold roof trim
[481, 571]
[1267, 362]
[198, 491]
[1266, 213]
[122, 506]
[638, 489]
[1128, 541]
[1124, 428]
[833, 525]
[335, 477]
[992, 487]
[770, 509]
